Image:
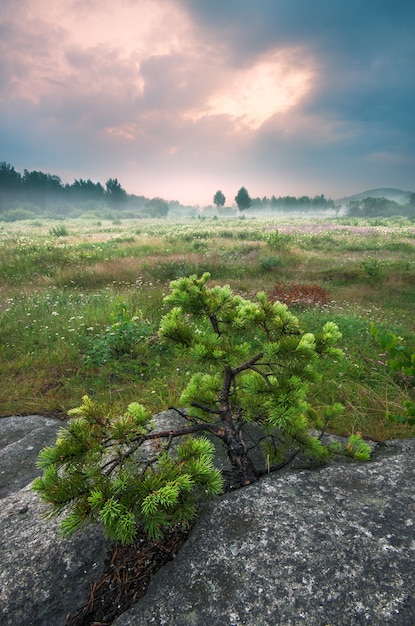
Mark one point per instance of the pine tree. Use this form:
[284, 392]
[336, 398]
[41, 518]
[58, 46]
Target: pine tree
[253, 365]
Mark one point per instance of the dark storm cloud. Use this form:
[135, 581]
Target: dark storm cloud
[353, 26]
[364, 46]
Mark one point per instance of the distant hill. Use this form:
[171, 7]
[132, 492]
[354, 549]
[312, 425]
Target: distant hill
[397, 195]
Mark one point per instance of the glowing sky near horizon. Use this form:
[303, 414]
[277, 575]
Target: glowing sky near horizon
[179, 98]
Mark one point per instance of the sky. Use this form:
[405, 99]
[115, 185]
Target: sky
[180, 98]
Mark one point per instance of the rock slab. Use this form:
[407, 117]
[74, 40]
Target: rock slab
[42, 576]
[21, 439]
[329, 547]
[333, 547]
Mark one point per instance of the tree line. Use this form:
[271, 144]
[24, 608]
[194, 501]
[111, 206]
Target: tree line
[39, 186]
[381, 207]
[367, 207]
[285, 203]
[35, 193]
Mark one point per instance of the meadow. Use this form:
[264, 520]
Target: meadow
[81, 300]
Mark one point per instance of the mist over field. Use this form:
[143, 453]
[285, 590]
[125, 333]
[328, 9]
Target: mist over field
[37, 194]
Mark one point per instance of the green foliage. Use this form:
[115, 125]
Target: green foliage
[254, 362]
[370, 207]
[59, 231]
[14, 215]
[270, 263]
[219, 198]
[402, 363]
[121, 339]
[357, 448]
[167, 270]
[374, 268]
[156, 207]
[116, 195]
[106, 469]
[276, 240]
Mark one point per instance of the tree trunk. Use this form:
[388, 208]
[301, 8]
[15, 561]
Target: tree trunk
[243, 470]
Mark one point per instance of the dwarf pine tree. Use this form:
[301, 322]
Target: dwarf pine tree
[253, 365]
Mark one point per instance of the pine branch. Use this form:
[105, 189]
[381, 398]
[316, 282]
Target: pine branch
[264, 375]
[248, 364]
[111, 465]
[205, 408]
[178, 433]
[191, 418]
[215, 324]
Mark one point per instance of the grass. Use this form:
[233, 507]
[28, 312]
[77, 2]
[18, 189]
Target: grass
[80, 303]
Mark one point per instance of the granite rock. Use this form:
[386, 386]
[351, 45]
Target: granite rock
[42, 576]
[329, 547]
[333, 546]
[21, 439]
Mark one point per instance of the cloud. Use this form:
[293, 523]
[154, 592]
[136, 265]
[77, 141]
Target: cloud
[172, 95]
[254, 94]
[362, 50]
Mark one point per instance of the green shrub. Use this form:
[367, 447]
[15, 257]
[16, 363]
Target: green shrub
[400, 246]
[374, 268]
[199, 246]
[14, 215]
[402, 362]
[93, 469]
[357, 448]
[277, 240]
[120, 340]
[59, 231]
[245, 234]
[270, 263]
[169, 270]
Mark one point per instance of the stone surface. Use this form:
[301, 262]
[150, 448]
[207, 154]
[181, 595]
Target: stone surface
[21, 439]
[330, 547]
[42, 576]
